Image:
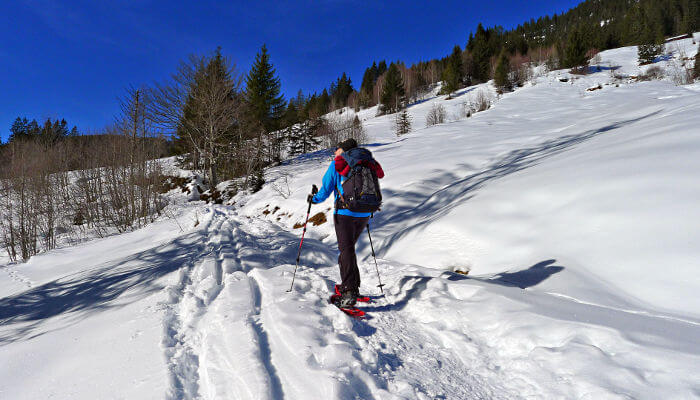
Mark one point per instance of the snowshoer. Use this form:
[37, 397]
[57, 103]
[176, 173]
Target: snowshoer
[352, 212]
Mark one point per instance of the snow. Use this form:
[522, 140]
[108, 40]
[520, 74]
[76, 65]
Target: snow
[574, 213]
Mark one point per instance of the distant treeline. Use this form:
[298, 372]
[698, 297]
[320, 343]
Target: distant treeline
[562, 41]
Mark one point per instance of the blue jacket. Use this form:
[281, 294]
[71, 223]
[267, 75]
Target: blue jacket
[331, 183]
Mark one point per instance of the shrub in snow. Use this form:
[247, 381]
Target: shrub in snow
[521, 70]
[651, 74]
[696, 69]
[436, 115]
[482, 101]
[479, 101]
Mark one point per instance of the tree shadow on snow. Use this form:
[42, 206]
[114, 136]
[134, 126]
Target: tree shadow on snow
[96, 289]
[414, 209]
[412, 286]
[522, 279]
[127, 280]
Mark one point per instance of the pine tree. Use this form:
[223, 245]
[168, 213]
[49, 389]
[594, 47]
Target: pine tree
[19, 131]
[481, 54]
[501, 74]
[263, 91]
[650, 38]
[575, 53]
[450, 80]
[323, 103]
[402, 123]
[452, 75]
[381, 69]
[357, 132]
[392, 97]
[340, 90]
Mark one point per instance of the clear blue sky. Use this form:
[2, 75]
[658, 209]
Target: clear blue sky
[72, 59]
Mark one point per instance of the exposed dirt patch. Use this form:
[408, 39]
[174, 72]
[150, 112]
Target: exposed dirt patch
[318, 219]
[175, 182]
[212, 196]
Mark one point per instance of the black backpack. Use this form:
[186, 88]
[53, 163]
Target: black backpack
[361, 191]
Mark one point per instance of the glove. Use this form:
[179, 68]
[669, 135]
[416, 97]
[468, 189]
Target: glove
[310, 199]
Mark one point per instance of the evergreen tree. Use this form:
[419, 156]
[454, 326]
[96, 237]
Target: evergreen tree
[381, 69]
[340, 90]
[481, 54]
[263, 91]
[402, 123]
[650, 36]
[501, 74]
[291, 115]
[452, 74]
[302, 139]
[450, 80]
[19, 131]
[323, 103]
[368, 80]
[53, 131]
[575, 53]
[49, 133]
[392, 97]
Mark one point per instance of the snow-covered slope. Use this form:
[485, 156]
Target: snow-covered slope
[574, 212]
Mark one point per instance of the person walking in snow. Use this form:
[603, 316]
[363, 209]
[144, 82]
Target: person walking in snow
[351, 216]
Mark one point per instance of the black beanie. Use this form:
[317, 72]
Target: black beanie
[347, 144]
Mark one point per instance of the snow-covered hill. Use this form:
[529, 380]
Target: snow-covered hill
[573, 211]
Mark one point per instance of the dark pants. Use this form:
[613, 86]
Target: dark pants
[348, 230]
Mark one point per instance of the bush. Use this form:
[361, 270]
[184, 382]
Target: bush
[696, 70]
[480, 101]
[436, 115]
[652, 74]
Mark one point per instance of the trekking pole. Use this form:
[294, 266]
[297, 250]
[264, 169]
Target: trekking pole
[375, 260]
[314, 190]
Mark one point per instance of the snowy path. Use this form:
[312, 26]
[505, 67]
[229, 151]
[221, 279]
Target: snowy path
[232, 331]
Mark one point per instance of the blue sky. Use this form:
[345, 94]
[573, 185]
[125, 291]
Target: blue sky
[73, 59]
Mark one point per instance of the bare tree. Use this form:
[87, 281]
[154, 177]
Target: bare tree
[436, 115]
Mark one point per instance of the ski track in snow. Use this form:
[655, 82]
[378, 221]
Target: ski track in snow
[232, 331]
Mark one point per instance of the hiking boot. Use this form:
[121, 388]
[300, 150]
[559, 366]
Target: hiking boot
[348, 298]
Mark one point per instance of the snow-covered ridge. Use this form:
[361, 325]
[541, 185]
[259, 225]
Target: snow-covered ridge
[573, 211]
